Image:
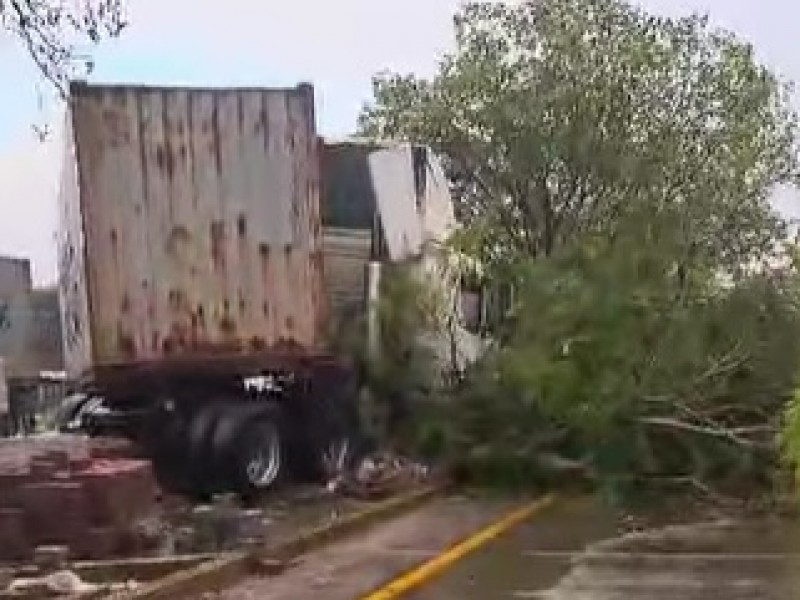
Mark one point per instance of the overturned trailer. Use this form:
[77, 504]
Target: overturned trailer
[389, 203]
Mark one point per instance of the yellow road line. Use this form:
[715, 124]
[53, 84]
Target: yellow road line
[430, 569]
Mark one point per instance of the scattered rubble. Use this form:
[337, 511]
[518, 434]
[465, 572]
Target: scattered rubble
[223, 525]
[70, 505]
[74, 494]
[49, 559]
[64, 583]
[6, 578]
[380, 475]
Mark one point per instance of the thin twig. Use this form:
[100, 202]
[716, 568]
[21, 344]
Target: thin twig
[24, 29]
[726, 434]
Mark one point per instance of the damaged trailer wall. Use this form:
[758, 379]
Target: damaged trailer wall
[390, 202]
[382, 201]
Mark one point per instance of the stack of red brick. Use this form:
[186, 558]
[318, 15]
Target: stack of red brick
[88, 498]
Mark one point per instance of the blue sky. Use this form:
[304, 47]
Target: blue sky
[337, 45]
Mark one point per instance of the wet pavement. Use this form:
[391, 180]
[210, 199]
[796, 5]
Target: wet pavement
[571, 551]
[352, 567]
[557, 556]
[508, 568]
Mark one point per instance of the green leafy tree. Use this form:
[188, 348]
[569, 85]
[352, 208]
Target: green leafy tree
[617, 168]
[557, 117]
[402, 367]
[617, 367]
[789, 438]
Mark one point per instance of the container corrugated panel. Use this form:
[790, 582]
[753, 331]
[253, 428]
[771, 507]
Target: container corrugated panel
[191, 225]
[403, 183]
[413, 199]
[72, 265]
[347, 252]
[434, 198]
[382, 200]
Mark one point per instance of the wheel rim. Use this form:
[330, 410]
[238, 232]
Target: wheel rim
[264, 462]
[335, 456]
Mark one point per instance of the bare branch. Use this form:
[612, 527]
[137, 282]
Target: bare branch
[726, 434]
[50, 31]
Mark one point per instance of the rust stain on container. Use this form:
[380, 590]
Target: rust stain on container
[178, 239]
[127, 346]
[218, 245]
[208, 199]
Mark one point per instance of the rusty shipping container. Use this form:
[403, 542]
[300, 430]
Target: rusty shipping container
[190, 226]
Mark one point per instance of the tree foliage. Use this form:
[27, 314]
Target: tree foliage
[50, 31]
[614, 364]
[617, 168]
[558, 117]
[403, 367]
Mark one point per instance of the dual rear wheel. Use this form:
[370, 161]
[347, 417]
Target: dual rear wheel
[223, 447]
[245, 448]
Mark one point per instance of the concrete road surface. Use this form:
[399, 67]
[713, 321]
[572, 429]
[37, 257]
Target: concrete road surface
[571, 551]
[351, 568]
[552, 557]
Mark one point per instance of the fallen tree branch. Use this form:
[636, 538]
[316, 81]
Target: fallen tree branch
[728, 362]
[706, 420]
[742, 409]
[730, 435]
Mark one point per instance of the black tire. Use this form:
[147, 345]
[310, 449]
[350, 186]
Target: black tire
[260, 438]
[180, 449]
[199, 447]
[168, 454]
[84, 416]
[239, 436]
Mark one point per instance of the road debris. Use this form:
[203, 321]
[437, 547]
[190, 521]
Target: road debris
[64, 583]
[380, 475]
[100, 489]
[49, 559]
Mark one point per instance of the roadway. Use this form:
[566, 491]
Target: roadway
[551, 557]
[569, 551]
